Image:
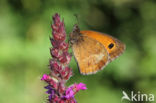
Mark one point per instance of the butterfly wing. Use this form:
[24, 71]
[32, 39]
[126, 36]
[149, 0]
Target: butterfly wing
[118, 49]
[90, 55]
[114, 46]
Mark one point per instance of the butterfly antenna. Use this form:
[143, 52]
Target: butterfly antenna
[77, 18]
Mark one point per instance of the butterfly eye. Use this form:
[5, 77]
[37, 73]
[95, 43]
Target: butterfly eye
[111, 45]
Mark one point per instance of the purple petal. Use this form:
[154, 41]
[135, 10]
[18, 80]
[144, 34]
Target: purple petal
[72, 90]
[45, 77]
[69, 94]
[81, 86]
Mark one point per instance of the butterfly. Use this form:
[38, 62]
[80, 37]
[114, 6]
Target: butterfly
[94, 50]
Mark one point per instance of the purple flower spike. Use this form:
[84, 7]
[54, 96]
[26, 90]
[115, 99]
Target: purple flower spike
[60, 72]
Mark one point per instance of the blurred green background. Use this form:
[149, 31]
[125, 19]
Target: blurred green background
[24, 47]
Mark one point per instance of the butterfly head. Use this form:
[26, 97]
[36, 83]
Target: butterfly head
[75, 35]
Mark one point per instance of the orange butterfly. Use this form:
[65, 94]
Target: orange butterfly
[94, 50]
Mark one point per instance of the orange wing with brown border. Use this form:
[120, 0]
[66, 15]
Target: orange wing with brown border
[90, 54]
[113, 46]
